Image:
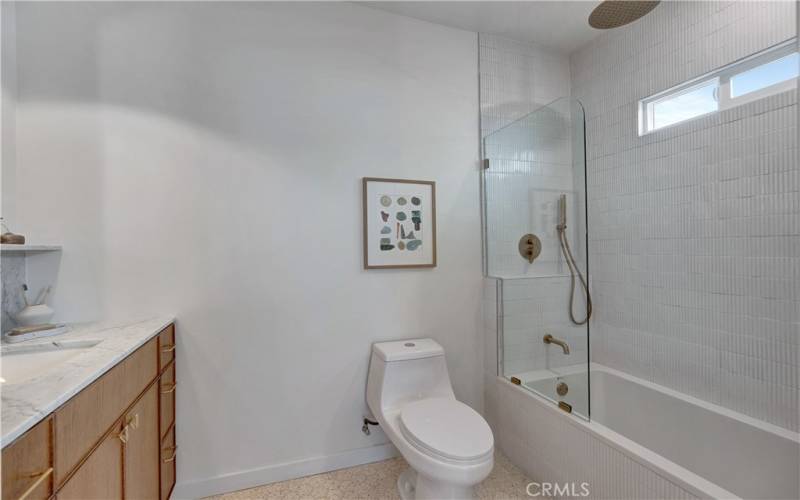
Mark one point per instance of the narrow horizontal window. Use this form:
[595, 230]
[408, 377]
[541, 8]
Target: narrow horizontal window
[766, 73]
[682, 106]
[778, 71]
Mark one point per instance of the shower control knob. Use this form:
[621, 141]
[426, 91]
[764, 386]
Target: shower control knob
[530, 246]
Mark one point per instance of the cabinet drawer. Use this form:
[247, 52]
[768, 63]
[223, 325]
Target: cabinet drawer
[166, 346]
[27, 464]
[168, 454]
[100, 476]
[83, 420]
[167, 389]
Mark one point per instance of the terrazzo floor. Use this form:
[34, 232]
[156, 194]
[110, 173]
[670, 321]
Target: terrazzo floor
[378, 481]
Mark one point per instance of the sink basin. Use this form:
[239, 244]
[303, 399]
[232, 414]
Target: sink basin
[21, 363]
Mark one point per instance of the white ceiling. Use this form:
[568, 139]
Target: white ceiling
[562, 26]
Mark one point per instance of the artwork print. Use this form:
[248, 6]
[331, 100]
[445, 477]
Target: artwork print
[399, 223]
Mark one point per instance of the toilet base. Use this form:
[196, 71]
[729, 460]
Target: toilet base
[406, 484]
[413, 486]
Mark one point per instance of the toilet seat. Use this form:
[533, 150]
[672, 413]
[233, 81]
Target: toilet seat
[446, 428]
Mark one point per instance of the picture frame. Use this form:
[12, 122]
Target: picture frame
[399, 223]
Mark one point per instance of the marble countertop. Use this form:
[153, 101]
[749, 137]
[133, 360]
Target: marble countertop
[26, 403]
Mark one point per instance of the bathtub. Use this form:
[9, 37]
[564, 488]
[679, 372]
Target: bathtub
[708, 450]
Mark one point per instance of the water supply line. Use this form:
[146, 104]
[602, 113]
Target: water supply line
[573, 267]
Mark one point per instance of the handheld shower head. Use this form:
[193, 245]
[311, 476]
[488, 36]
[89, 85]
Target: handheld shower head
[573, 267]
[562, 212]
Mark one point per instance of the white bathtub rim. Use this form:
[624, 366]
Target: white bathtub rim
[666, 469]
[732, 414]
[681, 476]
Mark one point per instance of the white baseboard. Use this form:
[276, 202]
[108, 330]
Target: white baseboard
[234, 481]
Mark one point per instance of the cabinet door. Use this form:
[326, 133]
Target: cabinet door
[85, 418]
[142, 449]
[27, 464]
[100, 476]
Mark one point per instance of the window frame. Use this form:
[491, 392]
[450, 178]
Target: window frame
[722, 93]
[646, 107]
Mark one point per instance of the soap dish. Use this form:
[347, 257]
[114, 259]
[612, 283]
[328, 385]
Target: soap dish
[24, 333]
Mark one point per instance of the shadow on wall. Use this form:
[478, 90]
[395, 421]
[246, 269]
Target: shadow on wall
[497, 116]
[161, 75]
[201, 159]
[184, 63]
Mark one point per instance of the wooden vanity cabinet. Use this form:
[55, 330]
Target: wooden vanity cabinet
[84, 419]
[167, 393]
[142, 455]
[107, 442]
[166, 347]
[100, 475]
[28, 464]
[168, 453]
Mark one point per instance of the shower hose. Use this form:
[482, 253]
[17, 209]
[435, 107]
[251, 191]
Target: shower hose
[573, 270]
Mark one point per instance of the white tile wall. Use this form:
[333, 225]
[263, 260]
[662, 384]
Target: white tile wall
[531, 308]
[530, 168]
[491, 305]
[517, 78]
[695, 230]
[694, 242]
[531, 162]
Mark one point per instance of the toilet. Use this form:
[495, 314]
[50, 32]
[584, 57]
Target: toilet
[448, 445]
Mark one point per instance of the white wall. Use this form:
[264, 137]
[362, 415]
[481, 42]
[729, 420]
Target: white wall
[8, 75]
[205, 160]
[694, 241]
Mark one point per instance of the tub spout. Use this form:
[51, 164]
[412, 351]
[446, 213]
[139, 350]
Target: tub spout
[549, 339]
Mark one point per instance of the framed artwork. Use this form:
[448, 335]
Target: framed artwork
[399, 223]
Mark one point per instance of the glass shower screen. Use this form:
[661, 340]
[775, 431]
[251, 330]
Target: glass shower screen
[535, 246]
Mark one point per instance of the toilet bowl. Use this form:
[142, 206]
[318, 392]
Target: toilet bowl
[448, 445]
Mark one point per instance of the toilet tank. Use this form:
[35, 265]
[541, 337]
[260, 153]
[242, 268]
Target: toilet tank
[404, 371]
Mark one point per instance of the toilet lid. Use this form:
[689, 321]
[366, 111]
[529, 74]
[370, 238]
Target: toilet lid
[447, 427]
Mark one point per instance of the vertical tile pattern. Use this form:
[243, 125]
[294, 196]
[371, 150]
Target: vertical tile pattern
[517, 78]
[490, 304]
[695, 230]
[532, 308]
[531, 160]
[526, 120]
[530, 168]
[548, 447]
[694, 235]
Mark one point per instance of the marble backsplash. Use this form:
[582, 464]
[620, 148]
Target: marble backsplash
[12, 271]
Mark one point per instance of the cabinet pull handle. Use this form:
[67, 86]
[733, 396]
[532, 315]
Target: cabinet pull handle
[42, 476]
[174, 452]
[168, 348]
[123, 436]
[133, 421]
[170, 389]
